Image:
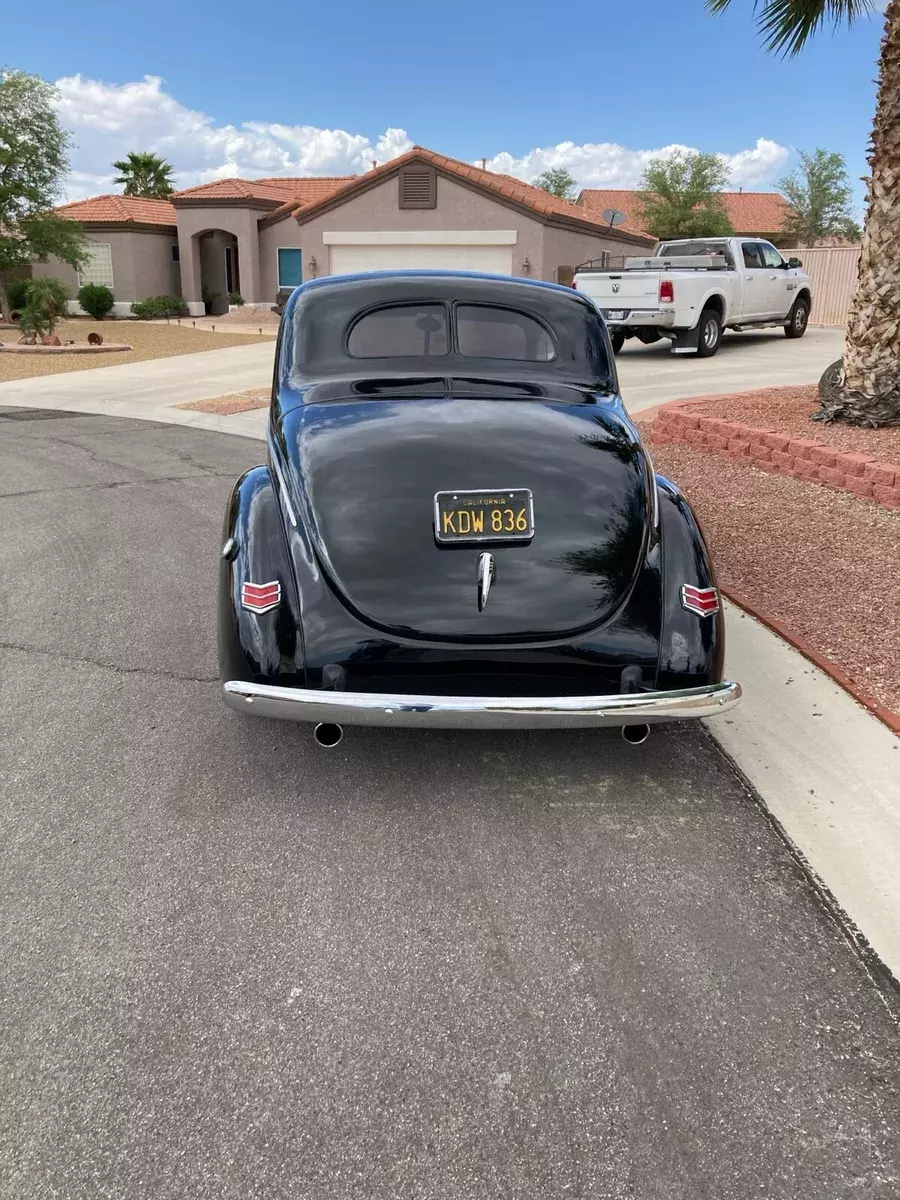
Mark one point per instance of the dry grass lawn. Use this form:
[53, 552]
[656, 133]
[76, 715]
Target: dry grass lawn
[148, 341]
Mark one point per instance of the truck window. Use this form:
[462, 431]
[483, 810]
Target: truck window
[752, 256]
[686, 249]
[771, 257]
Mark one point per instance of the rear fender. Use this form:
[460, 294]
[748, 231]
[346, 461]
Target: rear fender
[258, 646]
[691, 648]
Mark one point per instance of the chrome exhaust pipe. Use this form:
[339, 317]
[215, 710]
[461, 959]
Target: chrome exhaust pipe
[635, 735]
[328, 735]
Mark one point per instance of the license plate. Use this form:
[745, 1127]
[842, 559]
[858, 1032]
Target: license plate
[615, 314]
[501, 515]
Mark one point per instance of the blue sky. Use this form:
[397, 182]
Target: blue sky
[322, 89]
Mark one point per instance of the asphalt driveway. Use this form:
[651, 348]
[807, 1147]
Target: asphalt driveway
[233, 965]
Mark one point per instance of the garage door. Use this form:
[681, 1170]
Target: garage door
[347, 259]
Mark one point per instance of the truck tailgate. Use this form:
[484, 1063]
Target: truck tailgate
[628, 289]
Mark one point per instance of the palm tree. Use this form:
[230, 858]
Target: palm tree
[867, 390]
[145, 174]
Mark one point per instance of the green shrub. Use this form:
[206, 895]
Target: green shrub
[236, 299]
[46, 300]
[96, 300]
[17, 294]
[159, 306]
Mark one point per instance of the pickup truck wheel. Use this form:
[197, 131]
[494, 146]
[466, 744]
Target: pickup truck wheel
[710, 333]
[798, 318]
[618, 341]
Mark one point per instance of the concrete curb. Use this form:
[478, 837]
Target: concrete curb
[832, 670]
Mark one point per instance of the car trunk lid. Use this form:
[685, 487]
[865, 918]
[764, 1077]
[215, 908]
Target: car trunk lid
[365, 475]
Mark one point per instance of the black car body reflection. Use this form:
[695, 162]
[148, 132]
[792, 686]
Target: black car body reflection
[390, 388]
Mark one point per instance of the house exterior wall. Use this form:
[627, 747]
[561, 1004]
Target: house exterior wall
[141, 263]
[458, 207]
[566, 248]
[241, 223]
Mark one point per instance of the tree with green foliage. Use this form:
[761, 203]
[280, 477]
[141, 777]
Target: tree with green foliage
[864, 387]
[144, 174]
[820, 197]
[46, 301]
[680, 196]
[557, 181]
[34, 160]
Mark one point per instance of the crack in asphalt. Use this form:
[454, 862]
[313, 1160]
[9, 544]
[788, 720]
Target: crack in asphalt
[119, 483]
[85, 660]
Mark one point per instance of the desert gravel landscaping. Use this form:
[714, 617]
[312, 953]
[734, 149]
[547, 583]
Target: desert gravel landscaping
[822, 562]
[147, 339]
[235, 402]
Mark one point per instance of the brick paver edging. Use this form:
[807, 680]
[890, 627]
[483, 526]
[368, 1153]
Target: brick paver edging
[778, 453]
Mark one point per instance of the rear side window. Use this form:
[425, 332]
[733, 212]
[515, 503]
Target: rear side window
[752, 257]
[484, 332]
[400, 331]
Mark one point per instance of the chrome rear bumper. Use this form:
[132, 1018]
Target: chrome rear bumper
[476, 712]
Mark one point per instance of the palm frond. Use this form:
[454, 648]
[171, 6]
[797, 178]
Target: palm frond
[787, 25]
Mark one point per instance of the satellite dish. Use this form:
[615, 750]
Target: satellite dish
[613, 216]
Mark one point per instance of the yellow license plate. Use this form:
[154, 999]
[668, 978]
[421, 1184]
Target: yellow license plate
[501, 515]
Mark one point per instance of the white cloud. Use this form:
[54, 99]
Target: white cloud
[609, 165]
[108, 120]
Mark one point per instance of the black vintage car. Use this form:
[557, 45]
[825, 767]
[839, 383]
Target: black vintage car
[458, 524]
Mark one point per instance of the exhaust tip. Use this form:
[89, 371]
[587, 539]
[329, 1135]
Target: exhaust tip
[635, 735]
[328, 735]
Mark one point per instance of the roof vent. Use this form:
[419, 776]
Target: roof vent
[418, 187]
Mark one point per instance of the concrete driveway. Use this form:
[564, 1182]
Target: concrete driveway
[449, 967]
[650, 375]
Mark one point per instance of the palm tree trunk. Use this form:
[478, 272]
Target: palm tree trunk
[871, 389]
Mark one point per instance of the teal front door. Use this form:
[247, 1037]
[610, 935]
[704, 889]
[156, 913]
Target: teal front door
[290, 268]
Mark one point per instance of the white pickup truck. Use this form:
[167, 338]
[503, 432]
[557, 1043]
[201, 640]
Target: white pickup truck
[693, 289]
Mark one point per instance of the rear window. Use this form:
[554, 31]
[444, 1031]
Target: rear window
[400, 331]
[700, 246]
[486, 332]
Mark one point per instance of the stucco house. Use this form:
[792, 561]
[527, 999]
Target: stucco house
[256, 236]
[752, 214]
[134, 249]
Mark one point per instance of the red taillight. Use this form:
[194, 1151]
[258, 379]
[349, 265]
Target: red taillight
[666, 291]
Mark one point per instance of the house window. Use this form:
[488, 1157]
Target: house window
[98, 268]
[290, 268]
[176, 257]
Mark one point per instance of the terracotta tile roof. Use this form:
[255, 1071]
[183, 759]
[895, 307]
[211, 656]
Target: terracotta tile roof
[307, 189]
[275, 189]
[750, 212]
[507, 186]
[233, 189]
[119, 210]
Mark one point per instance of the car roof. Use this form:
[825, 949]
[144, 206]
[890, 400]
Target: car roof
[363, 276]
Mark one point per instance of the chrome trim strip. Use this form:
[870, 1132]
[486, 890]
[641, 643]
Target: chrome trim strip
[476, 712]
[284, 492]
